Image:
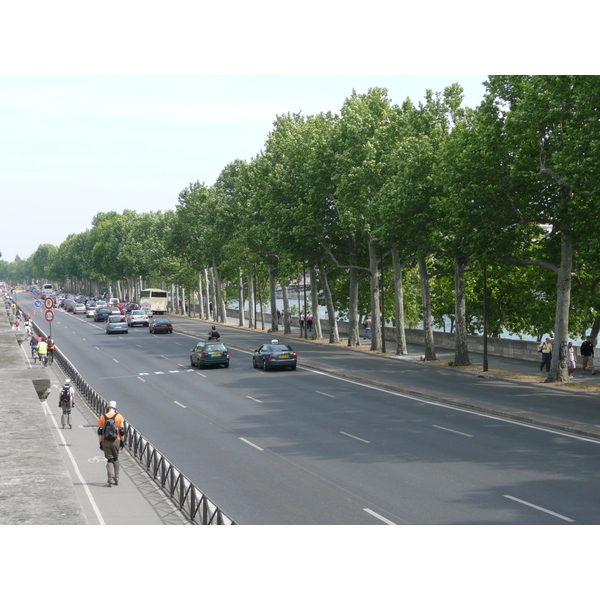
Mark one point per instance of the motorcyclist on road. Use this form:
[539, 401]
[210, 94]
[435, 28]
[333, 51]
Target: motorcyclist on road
[213, 334]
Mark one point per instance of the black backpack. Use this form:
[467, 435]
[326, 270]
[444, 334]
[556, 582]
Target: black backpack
[65, 394]
[110, 428]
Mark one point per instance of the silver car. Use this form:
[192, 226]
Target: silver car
[116, 324]
[79, 309]
[138, 317]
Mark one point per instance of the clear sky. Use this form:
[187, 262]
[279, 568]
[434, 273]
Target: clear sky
[123, 105]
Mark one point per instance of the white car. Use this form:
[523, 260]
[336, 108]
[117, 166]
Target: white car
[138, 317]
[79, 309]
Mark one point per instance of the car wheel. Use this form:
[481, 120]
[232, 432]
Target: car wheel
[191, 361]
[293, 367]
[227, 365]
[254, 365]
[264, 366]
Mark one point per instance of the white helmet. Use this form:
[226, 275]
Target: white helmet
[112, 404]
[67, 382]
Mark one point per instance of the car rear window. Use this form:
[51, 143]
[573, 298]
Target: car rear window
[214, 348]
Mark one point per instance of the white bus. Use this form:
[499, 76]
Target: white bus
[155, 299]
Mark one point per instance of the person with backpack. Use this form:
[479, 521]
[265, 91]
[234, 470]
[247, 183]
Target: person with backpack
[111, 434]
[66, 401]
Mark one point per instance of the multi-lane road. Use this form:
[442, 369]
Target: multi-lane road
[309, 447]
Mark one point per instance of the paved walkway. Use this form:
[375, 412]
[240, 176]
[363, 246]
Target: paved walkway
[55, 476]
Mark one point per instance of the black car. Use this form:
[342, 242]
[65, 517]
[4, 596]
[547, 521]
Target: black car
[209, 353]
[274, 355]
[161, 325]
[102, 314]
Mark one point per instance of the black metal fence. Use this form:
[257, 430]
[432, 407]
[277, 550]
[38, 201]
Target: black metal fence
[194, 504]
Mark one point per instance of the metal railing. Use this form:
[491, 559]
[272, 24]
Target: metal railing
[194, 504]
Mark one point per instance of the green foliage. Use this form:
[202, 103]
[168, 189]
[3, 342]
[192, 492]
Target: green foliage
[502, 185]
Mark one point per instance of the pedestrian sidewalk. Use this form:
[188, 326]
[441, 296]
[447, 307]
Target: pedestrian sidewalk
[56, 476]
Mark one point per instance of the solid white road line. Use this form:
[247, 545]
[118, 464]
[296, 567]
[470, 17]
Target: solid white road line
[251, 444]
[377, 516]
[354, 437]
[452, 431]
[540, 508]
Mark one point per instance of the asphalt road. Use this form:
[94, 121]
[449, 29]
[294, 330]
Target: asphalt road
[307, 447]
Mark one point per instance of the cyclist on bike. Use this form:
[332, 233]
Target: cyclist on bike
[50, 343]
[43, 351]
[34, 346]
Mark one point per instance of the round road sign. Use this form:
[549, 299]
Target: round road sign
[38, 303]
[49, 303]
[49, 315]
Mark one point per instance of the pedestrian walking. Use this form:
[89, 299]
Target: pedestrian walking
[546, 349]
[587, 352]
[66, 401]
[309, 320]
[572, 360]
[111, 434]
[367, 325]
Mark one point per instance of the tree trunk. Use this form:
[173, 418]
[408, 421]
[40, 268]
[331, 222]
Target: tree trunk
[220, 307]
[241, 319]
[426, 299]
[287, 317]
[317, 334]
[251, 301]
[461, 351]
[200, 297]
[558, 367]
[401, 348]
[334, 335]
[353, 334]
[274, 325]
[375, 304]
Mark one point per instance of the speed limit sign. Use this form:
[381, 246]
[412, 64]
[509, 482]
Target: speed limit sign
[49, 315]
[49, 303]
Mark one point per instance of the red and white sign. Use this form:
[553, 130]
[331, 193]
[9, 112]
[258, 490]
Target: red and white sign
[49, 315]
[49, 303]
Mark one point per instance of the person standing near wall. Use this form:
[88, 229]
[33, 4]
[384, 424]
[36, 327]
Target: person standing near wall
[546, 350]
[587, 352]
